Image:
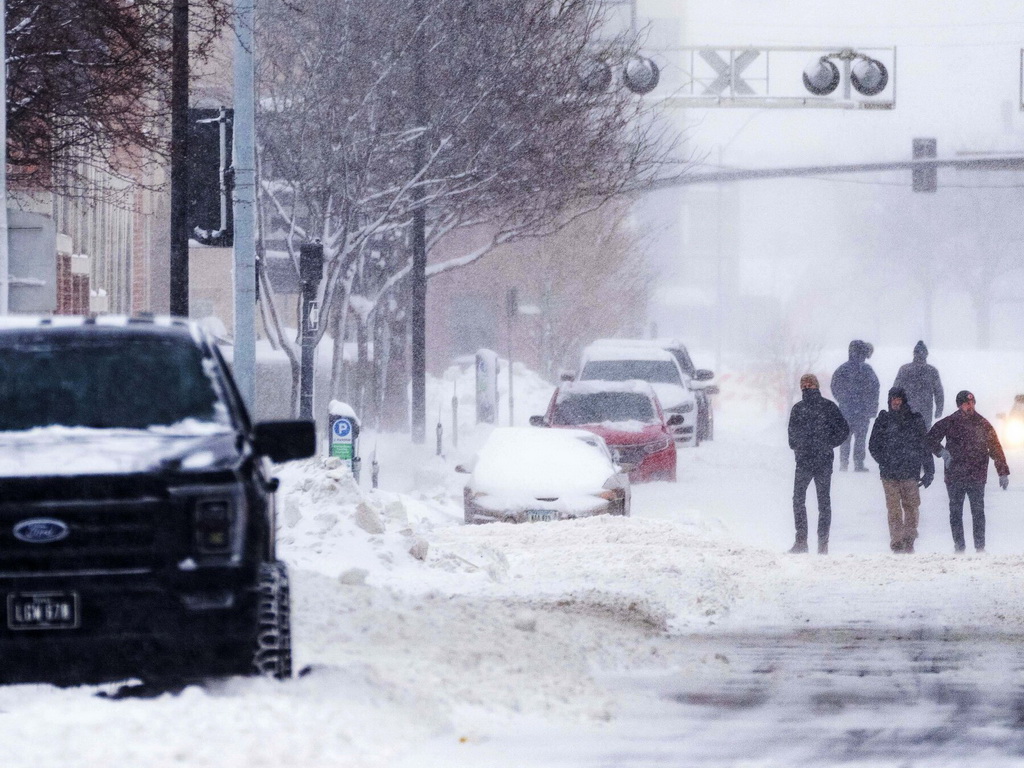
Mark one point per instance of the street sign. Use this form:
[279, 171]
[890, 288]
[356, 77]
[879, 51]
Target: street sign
[342, 438]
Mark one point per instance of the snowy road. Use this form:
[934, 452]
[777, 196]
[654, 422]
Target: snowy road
[850, 696]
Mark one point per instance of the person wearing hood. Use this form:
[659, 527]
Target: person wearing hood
[898, 443]
[970, 442]
[816, 427]
[922, 384]
[856, 389]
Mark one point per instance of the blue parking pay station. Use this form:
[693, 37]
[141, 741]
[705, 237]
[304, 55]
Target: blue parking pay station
[343, 440]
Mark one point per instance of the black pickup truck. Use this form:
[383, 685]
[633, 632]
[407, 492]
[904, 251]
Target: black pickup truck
[137, 521]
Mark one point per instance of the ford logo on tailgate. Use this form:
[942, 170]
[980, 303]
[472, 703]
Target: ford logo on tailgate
[41, 530]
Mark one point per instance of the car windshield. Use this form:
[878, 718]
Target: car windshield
[598, 407]
[108, 384]
[653, 371]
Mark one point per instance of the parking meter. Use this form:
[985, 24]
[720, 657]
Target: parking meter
[343, 435]
[486, 387]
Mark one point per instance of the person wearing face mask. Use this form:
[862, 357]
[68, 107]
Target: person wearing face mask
[898, 444]
[970, 440]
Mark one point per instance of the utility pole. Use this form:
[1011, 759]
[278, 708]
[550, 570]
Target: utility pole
[244, 201]
[5, 259]
[511, 310]
[418, 315]
[179, 156]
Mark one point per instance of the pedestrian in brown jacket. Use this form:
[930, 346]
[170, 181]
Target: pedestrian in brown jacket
[970, 442]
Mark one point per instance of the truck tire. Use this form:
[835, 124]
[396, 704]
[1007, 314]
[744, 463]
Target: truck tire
[273, 653]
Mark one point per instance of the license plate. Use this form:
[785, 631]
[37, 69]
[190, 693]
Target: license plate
[43, 610]
[540, 516]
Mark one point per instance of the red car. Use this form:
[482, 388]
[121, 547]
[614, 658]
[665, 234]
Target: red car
[627, 415]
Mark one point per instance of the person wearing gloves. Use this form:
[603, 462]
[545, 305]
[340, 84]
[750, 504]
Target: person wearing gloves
[816, 427]
[856, 387]
[898, 443]
[970, 441]
[922, 384]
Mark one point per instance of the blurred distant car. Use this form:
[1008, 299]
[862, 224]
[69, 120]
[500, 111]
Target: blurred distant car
[627, 415]
[523, 474]
[659, 368]
[699, 380]
[1012, 424]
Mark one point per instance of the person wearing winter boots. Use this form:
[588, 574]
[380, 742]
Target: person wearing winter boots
[899, 444]
[922, 384]
[856, 388]
[970, 442]
[816, 427]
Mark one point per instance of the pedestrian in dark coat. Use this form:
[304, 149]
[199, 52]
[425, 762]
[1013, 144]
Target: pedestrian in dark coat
[816, 427]
[899, 444]
[970, 442]
[856, 387]
[922, 384]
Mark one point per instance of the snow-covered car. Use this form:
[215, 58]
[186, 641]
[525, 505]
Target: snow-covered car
[626, 415]
[656, 366]
[524, 474]
[700, 380]
[1012, 424]
[137, 523]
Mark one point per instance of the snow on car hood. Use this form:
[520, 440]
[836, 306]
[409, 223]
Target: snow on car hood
[63, 451]
[539, 462]
[672, 395]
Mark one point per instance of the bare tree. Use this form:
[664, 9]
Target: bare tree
[787, 354]
[968, 239]
[513, 143]
[88, 83]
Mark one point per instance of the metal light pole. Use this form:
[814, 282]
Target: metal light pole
[244, 165]
[179, 155]
[418, 314]
[5, 259]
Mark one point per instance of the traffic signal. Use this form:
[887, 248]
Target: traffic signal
[868, 76]
[640, 75]
[821, 77]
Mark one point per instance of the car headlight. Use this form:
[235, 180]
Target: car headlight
[218, 518]
[1015, 431]
[657, 445]
[613, 494]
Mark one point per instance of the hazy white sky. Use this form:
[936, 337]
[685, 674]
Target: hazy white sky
[958, 79]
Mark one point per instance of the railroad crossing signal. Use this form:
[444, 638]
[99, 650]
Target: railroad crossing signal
[729, 72]
[771, 76]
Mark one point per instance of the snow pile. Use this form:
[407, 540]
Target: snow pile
[329, 525]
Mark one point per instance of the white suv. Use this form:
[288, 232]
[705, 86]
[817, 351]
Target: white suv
[700, 380]
[606, 362]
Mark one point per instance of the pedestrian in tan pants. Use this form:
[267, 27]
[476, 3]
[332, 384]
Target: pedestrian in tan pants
[898, 444]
